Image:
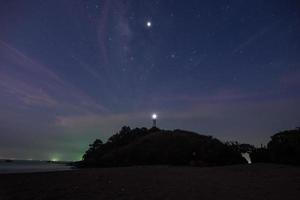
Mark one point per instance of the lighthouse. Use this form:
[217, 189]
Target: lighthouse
[154, 117]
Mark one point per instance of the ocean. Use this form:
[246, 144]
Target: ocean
[24, 166]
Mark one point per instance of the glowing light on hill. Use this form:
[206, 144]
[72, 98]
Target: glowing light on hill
[154, 116]
[149, 24]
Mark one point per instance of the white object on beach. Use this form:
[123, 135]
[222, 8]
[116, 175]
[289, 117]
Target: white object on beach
[247, 157]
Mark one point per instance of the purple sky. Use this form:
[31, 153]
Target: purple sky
[74, 71]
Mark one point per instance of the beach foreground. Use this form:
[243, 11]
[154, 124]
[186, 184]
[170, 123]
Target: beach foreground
[258, 181]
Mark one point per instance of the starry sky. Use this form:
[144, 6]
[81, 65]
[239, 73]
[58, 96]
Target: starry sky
[72, 71]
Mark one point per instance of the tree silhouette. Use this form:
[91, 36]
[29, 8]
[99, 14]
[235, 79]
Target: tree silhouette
[93, 148]
[284, 147]
[241, 148]
[261, 154]
[142, 146]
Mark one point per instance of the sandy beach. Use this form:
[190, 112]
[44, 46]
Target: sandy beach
[258, 181]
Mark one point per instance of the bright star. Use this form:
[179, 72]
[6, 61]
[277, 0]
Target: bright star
[149, 24]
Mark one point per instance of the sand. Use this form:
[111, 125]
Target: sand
[243, 182]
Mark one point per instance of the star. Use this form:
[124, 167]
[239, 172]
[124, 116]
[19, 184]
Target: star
[148, 24]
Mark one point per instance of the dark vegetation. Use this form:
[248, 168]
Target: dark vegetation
[142, 146]
[283, 148]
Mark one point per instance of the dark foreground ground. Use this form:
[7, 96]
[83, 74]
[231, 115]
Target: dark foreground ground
[259, 181]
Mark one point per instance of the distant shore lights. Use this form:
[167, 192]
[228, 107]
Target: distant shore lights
[154, 117]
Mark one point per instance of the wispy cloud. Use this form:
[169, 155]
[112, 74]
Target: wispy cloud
[25, 92]
[113, 21]
[260, 33]
[34, 84]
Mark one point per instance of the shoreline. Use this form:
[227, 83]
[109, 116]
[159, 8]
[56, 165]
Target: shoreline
[20, 166]
[257, 181]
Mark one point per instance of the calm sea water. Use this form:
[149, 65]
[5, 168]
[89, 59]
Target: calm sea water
[20, 166]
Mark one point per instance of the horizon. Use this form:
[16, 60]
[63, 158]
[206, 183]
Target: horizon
[73, 71]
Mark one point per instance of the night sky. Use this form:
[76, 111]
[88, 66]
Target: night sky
[72, 71]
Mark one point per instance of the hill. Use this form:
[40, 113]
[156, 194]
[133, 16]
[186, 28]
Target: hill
[141, 146]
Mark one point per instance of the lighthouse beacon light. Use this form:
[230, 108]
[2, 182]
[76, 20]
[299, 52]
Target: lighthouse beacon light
[154, 116]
